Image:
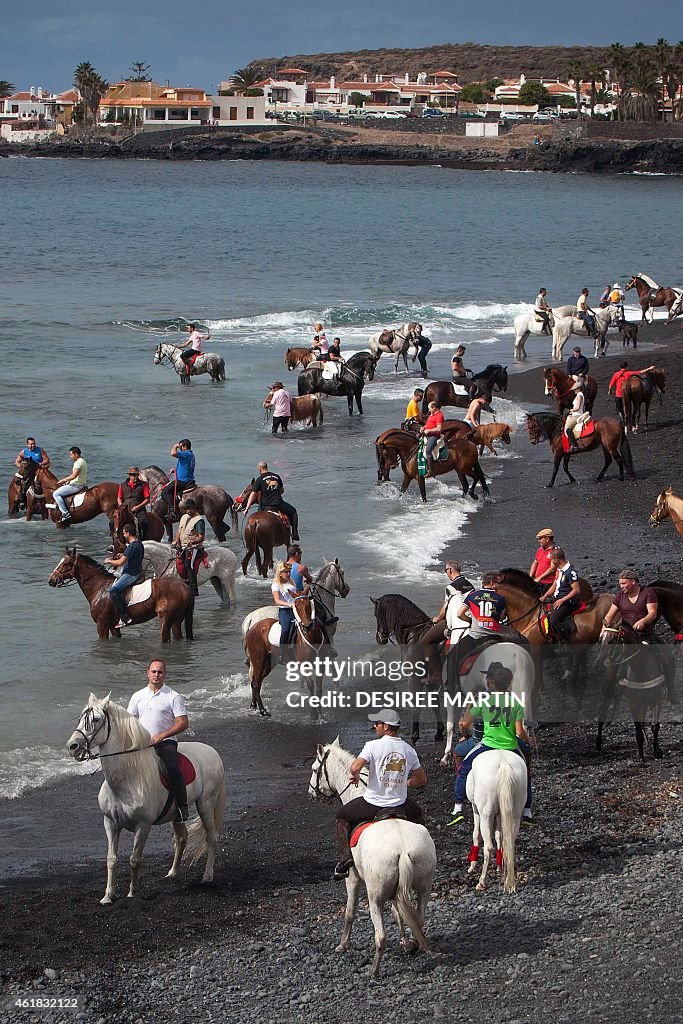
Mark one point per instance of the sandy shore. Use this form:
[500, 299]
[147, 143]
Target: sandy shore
[591, 934]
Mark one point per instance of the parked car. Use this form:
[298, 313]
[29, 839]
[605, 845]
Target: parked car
[393, 114]
[511, 115]
[544, 117]
[433, 112]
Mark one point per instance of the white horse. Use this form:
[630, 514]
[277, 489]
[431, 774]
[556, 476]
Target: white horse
[328, 584]
[496, 788]
[396, 342]
[528, 323]
[220, 571]
[132, 796]
[568, 325]
[391, 858]
[207, 362]
[510, 655]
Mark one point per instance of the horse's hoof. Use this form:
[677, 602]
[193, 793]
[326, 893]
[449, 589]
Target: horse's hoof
[658, 754]
[106, 901]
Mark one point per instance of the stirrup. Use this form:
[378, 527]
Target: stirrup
[342, 868]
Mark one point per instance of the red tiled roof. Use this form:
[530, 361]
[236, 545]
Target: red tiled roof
[23, 96]
[444, 74]
[291, 71]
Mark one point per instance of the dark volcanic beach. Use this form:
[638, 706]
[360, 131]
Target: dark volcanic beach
[593, 931]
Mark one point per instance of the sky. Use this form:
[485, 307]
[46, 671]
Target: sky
[200, 46]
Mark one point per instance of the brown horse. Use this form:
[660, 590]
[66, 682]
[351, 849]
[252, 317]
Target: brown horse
[305, 407]
[263, 531]
[212, 502]
[98, 499]
[35, 499]
[637, 392]
[122, 516]
[296, 356]
[560, 384]
[309, 640]
[171, 600]
[443, 391]
[487, 433]
[668, 506]
[396, 445]
[651, 296]
[608, 434]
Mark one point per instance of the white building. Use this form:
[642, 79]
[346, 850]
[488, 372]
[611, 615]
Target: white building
[39, 105]
[238, 111]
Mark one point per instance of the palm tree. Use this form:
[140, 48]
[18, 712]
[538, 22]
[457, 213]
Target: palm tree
[594, 73]
[244, 81]
[6, 88]
[617, 58]
[91, 87]
[642, 100]
[576, 70]
[662, 52]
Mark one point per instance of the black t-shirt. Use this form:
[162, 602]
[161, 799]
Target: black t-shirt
[334, 350]
[134, 555]
[268, 487]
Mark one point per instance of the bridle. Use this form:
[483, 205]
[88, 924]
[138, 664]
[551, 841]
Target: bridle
[72, 581]
[660, 513]
[320, 772]
[341, 584]
[106, 720]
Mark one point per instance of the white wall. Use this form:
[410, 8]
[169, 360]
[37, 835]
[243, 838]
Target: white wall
[242, 105]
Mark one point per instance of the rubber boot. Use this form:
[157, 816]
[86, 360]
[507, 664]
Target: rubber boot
[345, 863]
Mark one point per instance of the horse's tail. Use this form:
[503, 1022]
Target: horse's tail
[257, 553]
[380, 460]
[626, 454]
[320, 409]
[189, 617]
[425, 403]
[506, 803]
[402, 901]
[197, 846]
[221, 369]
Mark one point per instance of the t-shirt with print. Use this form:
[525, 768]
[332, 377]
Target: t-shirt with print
[390, 761]
[500, 712]
[268, 487]
[566, 577]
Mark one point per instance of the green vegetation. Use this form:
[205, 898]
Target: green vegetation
[92, 87]
[138, 72]
[243, 82]
[6, 88]
[533, 92]
[358, 99]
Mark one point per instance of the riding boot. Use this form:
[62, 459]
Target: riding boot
[191, 579]
[345, 863]
[180, 794]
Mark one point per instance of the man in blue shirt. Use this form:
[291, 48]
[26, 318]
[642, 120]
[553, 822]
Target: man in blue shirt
[131, 562]
[184, 479]
[28, 460]
[577, 364]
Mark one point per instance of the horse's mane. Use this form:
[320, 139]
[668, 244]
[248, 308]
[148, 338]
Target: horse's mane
[392, 611]
[490, 368]
[343, 755]
[520, 579]
[549, 423]
[648, 280]
[93, 563]
[142, 770]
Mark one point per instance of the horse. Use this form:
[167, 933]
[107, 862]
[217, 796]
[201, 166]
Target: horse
[668, 506]
[308, 642]
[629, 333]
[403, 620]
[328, 584]
[529, 323]
[134, 796]
[485, 434]
[306, 407]
[25, 480]
[296, 356]
[651, 296]
[212, 502]
[84, 505]
[560, 384]
[638, 668]
[170, 600]
[219, 570]
[396, 342]
[123, 516]
[206, 362]
[394, 446]
[443, 391]
[568, 325]
[496, 788]
[348, 383]
[637, 392]
[263, 531]
[608, 434]
[391, 857]
[670, 605]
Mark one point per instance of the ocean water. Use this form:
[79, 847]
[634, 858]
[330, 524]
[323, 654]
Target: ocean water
[103, 259]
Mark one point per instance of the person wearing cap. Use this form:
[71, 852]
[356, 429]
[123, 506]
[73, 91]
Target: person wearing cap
[540, 570]
[134, 493]
[393, 768]
[564, 594]
[503, 719]
[577, 364]
[280, 401]
[576, 416]
[189, 542]
[638, 607]
[445, 621]
[267, 490]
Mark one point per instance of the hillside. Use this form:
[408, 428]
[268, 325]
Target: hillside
[471, 62]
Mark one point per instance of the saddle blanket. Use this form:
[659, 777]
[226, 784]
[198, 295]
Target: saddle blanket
[315, 364]
[460, 389]
[280, 515]
[358, 832]
[587, 431]
[187, 771]
[275, 635]
[139, 592]
[330, 371]
[73, 501]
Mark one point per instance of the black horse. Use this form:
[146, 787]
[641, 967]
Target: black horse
[442, 391]
[399, 618]
[348, 383]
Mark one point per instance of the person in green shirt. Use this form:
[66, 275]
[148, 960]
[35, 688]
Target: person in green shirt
[503, 719]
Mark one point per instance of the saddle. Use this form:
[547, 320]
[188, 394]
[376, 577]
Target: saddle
[586, 432]
[384, 814]
[544, 622]
[200, 559]
[281, 515]
[189, 362]
[187, 770]
[139, 592]
[72, 500]
[316, 364]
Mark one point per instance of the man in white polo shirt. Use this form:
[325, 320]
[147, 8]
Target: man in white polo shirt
[162, 712]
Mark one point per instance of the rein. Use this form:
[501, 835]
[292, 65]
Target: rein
[322, 770]
[89, 756]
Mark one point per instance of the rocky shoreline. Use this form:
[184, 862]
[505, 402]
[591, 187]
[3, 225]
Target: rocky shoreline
[593, 931]
[369, 146]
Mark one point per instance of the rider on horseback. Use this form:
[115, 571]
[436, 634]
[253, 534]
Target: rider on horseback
[285, 592]
[543, 310]
[503, 717]
[576, 416]
[169, 499]
[131, 562]
[486, 610]
[320, 345]
[267, 489]
[414, 406]
[73, 483]
[192, 347]
[29, 459]
[586, 314]
[564, 593]
[134, 493]
[462, 376]
[302, 580]
[541, 572]
[444, 622]
[189, 542]
[393, 769]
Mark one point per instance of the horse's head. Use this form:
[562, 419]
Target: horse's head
[549, 380]
[94, 726]
[661, 509]
[383, 634]
[658, 377]
[633, 283]
[320, 785]
[501, 378]
[241, 499]
[387, 459]
[371, 364]
[339, 584]
[159, 354]
[63, 572]
[612, 636]
[27, 469]
[506, 436]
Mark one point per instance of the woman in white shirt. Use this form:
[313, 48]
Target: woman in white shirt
[576, 415]
[284, 596]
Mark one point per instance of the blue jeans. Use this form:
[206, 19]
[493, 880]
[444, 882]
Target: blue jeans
[124, 581]
[464, 771]
[286, 619]
[422, 351]
[431, 444]
[63, 492]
